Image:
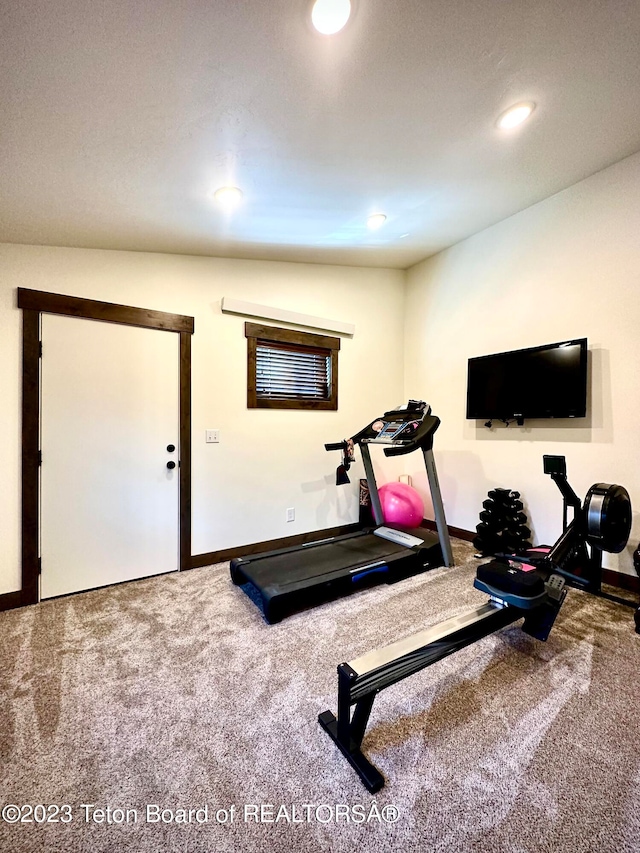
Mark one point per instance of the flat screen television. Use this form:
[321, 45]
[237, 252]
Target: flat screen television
[549, 381]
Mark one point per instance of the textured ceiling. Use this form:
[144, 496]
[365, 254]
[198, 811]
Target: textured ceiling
[119, 119]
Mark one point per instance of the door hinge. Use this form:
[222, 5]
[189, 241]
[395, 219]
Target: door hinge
[39, 349]
[39, 565]
[39, 458]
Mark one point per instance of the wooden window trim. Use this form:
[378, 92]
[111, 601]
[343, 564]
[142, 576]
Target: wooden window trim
[255, 332]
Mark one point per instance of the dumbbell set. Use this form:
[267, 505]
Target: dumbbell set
[503, 524]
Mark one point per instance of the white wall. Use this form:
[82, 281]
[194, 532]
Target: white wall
[567, 267]
[267, 460]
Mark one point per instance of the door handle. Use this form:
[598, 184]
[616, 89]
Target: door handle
[171, 465]
[170, 448]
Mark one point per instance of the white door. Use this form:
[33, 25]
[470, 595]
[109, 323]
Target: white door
[110, 409]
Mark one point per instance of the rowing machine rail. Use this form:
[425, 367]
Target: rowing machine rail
[360, 680]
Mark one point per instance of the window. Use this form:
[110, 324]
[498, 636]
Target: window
[291, 370]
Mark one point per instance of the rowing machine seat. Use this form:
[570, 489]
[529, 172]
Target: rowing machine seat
[513, 581]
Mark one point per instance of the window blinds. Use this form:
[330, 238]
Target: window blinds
[292, 371]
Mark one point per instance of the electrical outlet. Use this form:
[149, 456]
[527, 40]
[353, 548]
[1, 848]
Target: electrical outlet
[291, 514]
[212, 436]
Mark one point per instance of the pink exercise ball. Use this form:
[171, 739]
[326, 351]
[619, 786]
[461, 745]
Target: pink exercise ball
[401, 505]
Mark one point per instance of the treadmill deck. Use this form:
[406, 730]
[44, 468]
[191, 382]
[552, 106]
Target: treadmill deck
[290, 579]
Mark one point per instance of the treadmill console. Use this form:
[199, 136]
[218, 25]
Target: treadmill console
[406, 428]
[394, 429]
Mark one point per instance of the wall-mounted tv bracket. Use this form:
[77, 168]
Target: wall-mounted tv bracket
[506, 421]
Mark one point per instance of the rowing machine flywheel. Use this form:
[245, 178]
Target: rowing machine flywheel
[607, 510]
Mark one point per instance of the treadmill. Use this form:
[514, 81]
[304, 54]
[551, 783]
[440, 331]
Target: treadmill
[290, 579]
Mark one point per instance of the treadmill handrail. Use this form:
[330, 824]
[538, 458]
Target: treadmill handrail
[336, 445]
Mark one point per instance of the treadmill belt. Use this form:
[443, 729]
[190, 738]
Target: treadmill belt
[317, 560]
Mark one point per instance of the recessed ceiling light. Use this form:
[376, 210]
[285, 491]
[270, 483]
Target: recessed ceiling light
[228, 196]
[515, 115]
[376, 220]
[330, 16]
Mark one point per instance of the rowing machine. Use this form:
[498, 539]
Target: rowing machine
[601, 523]
[515, 592]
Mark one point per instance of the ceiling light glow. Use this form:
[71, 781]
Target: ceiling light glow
[228, 196]
[330, 16]
[376, 220]
[515, 115]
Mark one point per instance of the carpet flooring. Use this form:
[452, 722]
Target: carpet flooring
[166, 715]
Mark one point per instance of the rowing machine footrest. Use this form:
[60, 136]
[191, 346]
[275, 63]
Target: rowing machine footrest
[539, 622]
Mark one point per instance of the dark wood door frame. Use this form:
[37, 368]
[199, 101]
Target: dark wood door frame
[34, 303]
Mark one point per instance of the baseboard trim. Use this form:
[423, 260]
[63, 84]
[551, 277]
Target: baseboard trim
[200, 560]
[10, 600]
[621, 580]
[456, 532]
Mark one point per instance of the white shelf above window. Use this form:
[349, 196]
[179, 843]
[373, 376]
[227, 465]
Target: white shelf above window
[266, 312]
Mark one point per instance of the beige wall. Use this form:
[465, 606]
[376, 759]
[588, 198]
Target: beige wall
[567, 267]
[266, 460]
